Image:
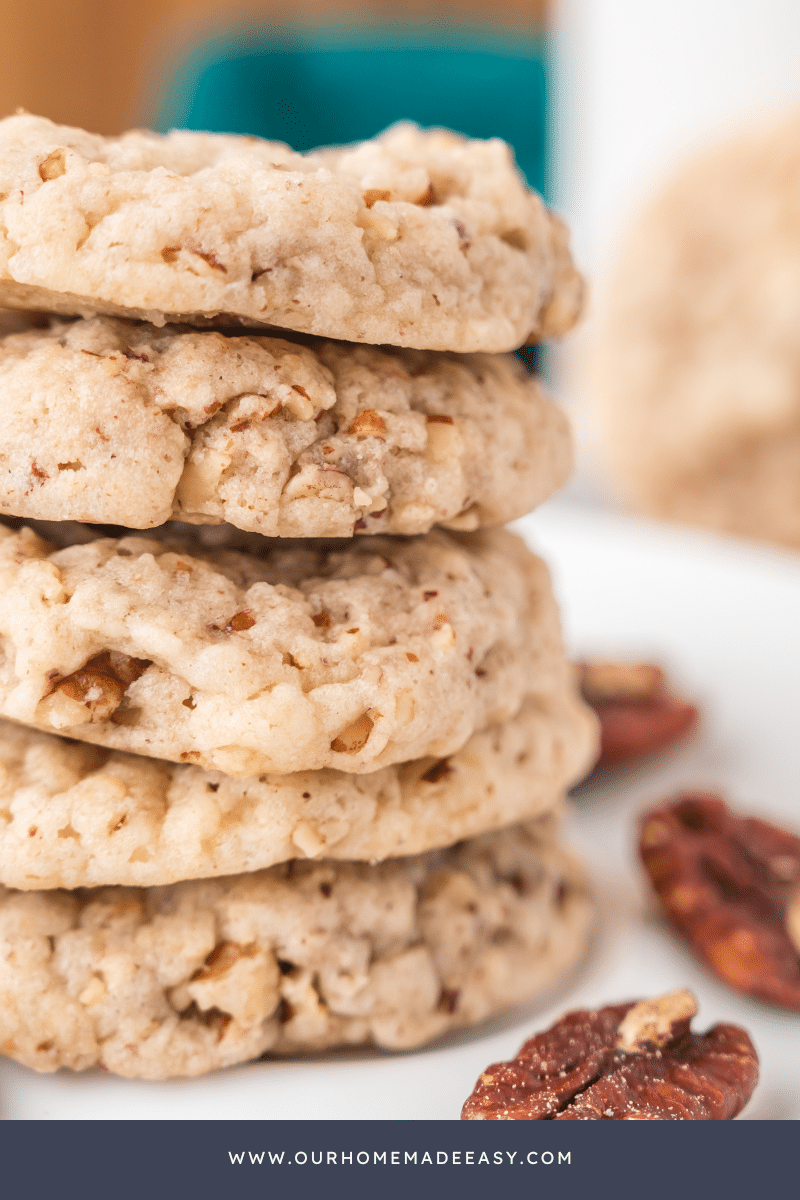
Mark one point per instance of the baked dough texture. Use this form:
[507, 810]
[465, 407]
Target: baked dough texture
[111, 422]
[287, 657]
[695, 375]
[418, 238]
[75, 815]
[159, 982]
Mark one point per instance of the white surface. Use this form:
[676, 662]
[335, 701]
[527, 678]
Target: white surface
[723, 618]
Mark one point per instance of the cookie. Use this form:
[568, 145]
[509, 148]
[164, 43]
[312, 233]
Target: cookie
[418, 238]
[753, 491]
[75, 815]
[698, 353]
[107, 421]
[158, 982]
[286, 657]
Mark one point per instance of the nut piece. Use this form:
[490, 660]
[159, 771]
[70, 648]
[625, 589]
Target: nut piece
[730, 886]
[655, 1023]
[793, 919]
[602, 682]
[95, 691]
[627, 1062]
[638, 713]
[54, 165]
[368, 423]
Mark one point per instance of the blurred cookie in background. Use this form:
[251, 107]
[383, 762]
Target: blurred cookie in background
[695, 374]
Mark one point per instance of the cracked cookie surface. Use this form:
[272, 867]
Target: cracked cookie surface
[112, 422]
[417, 238]
[274, 656]
[159, 982]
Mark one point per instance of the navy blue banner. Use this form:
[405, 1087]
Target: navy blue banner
[176, 1159]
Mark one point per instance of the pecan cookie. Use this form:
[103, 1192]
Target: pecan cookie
[76, 815]
[698, 352]
[627, 1062]
[112, 422]
[281, 657]
[180, 980]
[418, 238]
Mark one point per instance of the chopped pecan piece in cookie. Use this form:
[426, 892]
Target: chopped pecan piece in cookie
[98, 686]
[627, 1062]
[731, 887]
[638, 713]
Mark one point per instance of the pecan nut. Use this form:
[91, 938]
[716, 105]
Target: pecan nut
[627, 1062]
[731, 887]
[95, 691]
[637, 711]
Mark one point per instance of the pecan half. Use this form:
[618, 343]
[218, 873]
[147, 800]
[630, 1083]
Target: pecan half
[730, 886]
[638, 713]
[627, 1062]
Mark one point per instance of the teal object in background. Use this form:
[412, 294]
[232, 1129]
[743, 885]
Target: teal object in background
[327, 87]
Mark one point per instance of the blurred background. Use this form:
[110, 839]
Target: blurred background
[626, 89]
[303, 71]
[601, 99]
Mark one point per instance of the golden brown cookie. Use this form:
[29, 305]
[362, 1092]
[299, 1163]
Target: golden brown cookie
[113, 422]
[417, 238]
[180, 980]
[276, 656]
[77, 815]
[695, 377]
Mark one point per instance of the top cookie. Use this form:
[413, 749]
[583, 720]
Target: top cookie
[417, 238]
[696, 369]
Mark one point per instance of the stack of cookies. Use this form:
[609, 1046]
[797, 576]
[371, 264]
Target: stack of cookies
[288, 717]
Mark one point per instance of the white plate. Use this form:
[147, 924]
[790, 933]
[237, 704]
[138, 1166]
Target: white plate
[723, 617]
